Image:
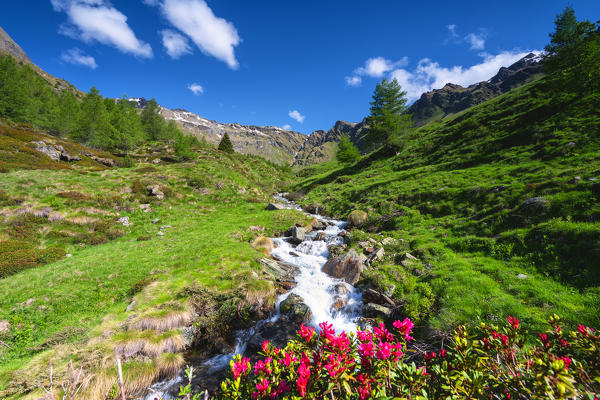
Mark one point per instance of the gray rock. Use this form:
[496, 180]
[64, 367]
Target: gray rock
[373, 296]
[319, 225]
[47, 149]
[130, 306]
[124, 221]
[297, 234]
[278, 333]
[373, 310]
[376, 255]
[522, 276]
[154, 190]
[389, 242]
[347, 267]
[155, 220]
[320, 236]
[189, 333]
[294, 306]
[274, 206]
[104, 161]
[280, 271]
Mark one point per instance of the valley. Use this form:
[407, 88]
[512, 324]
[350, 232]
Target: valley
[448, 248]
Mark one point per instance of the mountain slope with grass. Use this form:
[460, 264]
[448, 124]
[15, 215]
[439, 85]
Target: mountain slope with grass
[500, 204]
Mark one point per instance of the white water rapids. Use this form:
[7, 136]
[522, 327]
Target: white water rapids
[329, 299]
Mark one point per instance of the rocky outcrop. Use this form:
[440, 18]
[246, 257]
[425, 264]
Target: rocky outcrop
[8, 46]
[347, 267]
[452, 98]
[54, 151]
[274, 206]
[296, 309]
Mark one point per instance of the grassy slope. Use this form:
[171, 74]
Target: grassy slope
[458, 195]
[78, 306]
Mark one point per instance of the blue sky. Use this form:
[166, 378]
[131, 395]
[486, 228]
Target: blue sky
[302, 64]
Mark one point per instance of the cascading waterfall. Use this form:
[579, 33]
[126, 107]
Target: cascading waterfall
[328, 298]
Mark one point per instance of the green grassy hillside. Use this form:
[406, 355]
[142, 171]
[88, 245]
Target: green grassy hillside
[501, 204]
[193, 245]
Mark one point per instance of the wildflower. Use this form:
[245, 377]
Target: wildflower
[430, 356]
[504, 339]
[327, 330]
[564, 343]
[583, 330]
[364, 336]
[339, 343]
[261, 388]
[384, 351]
[567, 361]
[262, 366]
[443, 353]
[513, 322]
[366, 350]
[303, 376]
[544, 339]
[306, 333]
[240, 367]
[495, 335]
[333, 365]
[288, 358]
[265, 346]
[397, 351]
[405, 328]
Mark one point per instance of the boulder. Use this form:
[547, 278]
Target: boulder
[389, 242]
[347, 267]
[319, 225]
[314, 208]
[341, 289]
[294, 306]
[357, 218]
[278, 333]
[320, 236]
[274, 206]
[373, 296]
[339, 303]
[280, 271]
[48, 150]
[297, 234]
[373, 310]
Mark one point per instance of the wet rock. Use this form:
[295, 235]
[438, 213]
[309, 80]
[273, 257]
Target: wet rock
[297, 233]
[280, 271]
[320, 236]
[278, 333]
[314, 208]
[341, 289]
[294, 306]
[373, 296]
[357, 218]
[347, 267]
[366, 323]
[376, 311]
[274, 206]
[319, 225]
[339, 303]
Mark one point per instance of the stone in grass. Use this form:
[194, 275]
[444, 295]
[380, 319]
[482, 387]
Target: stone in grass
[274, 206]
[522, 276]
[4, 327]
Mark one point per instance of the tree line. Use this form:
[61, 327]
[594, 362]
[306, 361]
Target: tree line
[104, 123]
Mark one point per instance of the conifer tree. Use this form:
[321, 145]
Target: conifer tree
[225, 144]
[154, 124]
[92, 126]
[388, 119]
[347, 152]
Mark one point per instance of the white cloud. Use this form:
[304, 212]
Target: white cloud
[287, 127]
[377, 66]
[295, 114]
[175, 44]
[151, 3]
[98, 20]
[353, 81]
[452, 29]
[430, 75]
[476, 41]
[196, 89]
[213, 35]
[78, 57]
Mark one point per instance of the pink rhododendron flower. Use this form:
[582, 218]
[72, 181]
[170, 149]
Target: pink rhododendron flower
[241, 367]
[567, 361]
[513, 322]
[384, 350]
[306, 332]
[364, 336]
[405, 328]
[326, 330]
[303, 376]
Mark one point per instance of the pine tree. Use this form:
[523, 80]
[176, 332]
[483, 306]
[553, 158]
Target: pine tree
[154, 124]
[347, 152]
[93, 126]
[67, 114]
[225, 144]
[388, 119]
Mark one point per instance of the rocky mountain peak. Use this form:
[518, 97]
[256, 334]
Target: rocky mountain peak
[10, 47]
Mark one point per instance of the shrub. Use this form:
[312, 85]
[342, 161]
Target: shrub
[491, 363]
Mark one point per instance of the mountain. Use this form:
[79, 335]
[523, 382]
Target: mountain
[320, 145]
[452, 98]
[10, 47]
